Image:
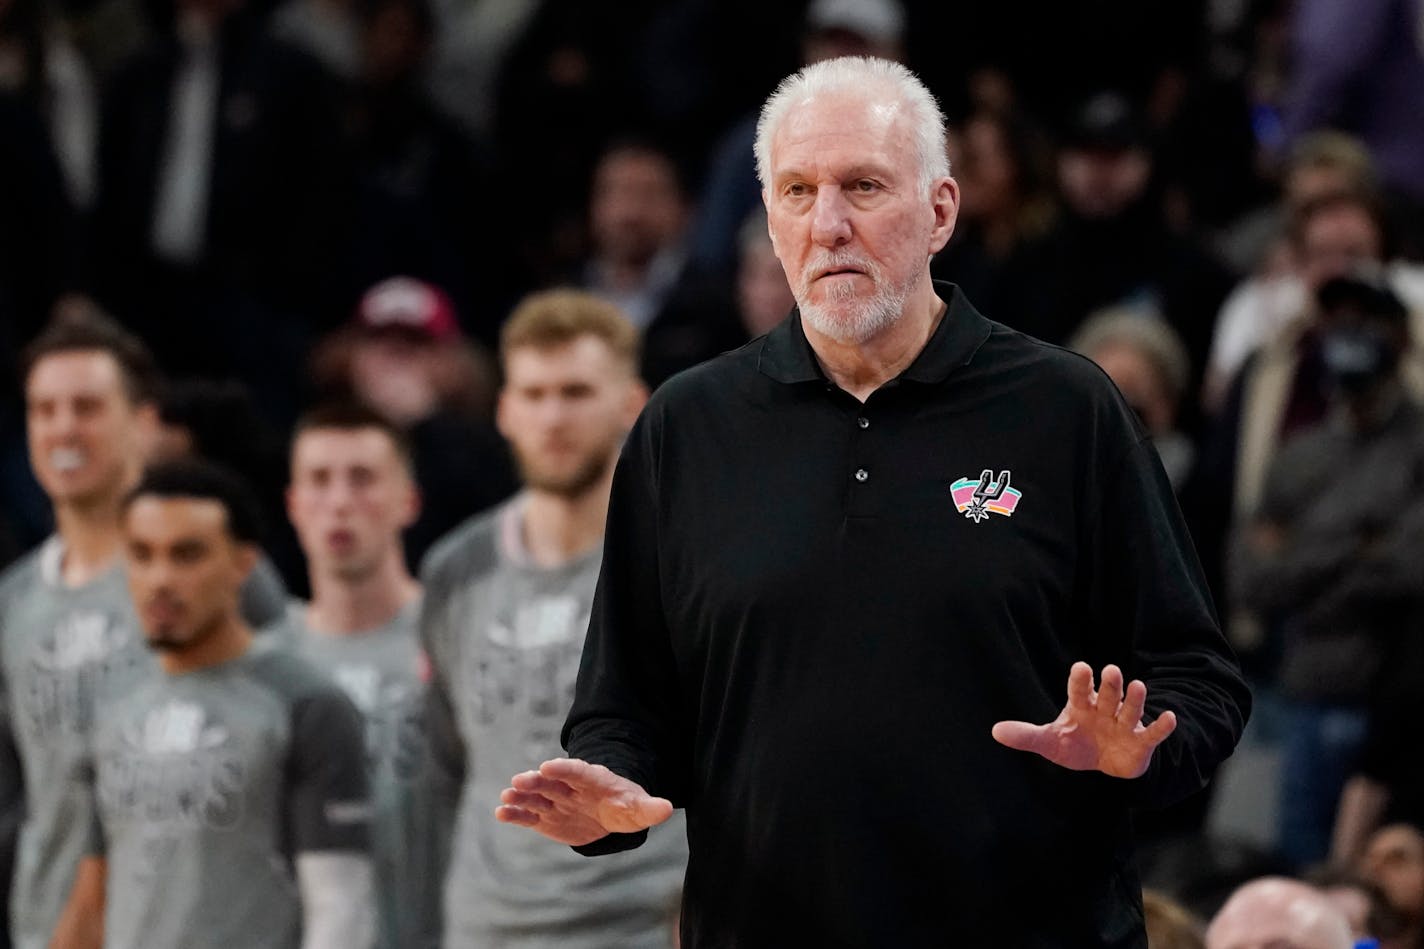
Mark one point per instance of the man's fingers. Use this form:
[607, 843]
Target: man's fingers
[1021, 736]
[1133, 703]
[537, 783]
[527, 801]
[508, 814]
[654, 810]
[1158, 731]
[1110, 689]
[1080, 686]
[575, 773]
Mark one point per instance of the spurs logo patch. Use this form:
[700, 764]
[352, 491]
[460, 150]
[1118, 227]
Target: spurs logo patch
[977, 498]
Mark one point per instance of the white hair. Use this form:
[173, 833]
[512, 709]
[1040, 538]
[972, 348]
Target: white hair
[869, 79]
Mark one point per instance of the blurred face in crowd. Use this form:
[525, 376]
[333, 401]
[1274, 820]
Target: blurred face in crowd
[763, 298]
[394, 43]
[987, 170]
[1394, 860]
[1138, 378]
[86, 436]
[1101, 183]
[565, 410]
[637, 207]
[395, 373]
[849, 220]
[1335, 241]
[350, 497]
[184, 568]
[1278, 914]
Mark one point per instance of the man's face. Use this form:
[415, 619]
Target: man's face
[86, 438]
[848, 218]
[637, 207]
[565, 411]
[349, 500]
[1101, 183]
[1336, 241]
[1394, 860]
[184, 568]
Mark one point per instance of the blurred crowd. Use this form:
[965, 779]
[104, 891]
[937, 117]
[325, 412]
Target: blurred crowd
[1221, 202]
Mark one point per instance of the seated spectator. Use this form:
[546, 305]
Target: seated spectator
[404, 356]
[1111, 244]
[638, 216]
[1394, 861]
[1275, 911]
[1148, 363]
[1315, 558]
[1004, 171]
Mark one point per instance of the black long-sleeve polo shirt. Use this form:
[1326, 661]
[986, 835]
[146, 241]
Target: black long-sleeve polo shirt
[808, 621]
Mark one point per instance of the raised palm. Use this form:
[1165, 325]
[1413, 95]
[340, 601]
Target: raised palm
[1096, 731]
[576, 803]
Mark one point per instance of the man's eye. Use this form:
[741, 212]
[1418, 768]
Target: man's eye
[865, 186]
[797, 189]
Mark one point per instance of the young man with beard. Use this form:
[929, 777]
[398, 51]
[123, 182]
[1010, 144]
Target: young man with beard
[68, 638]
[231, 802]
[507, 600]
[352, 493]
[848, 568]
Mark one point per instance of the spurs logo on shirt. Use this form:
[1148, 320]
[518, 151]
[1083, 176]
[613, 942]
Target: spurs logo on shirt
[977, 498]
[175, 766]
[70, 668]
[525, 665]
[395, 725]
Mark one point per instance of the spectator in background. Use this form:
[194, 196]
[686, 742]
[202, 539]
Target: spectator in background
[230, 802]
[1275, 911]
[1316, 559]
[352, 493]
[420, 206]
[731, 192]
[1393, 860]
[638, 216]
[763, 296]
[1360, 67]
[1111, 244]
[403, 356]
[39, 65]
[223, 186]
[507, 602]
[1148, 363]
[1261, 307]
[1003, 168]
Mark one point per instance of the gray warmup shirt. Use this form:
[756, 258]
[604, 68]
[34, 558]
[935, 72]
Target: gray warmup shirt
[504, 638]
[64, 652]
[383, 671]
[209, 784]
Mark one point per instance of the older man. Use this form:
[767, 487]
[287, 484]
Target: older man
[844, 560]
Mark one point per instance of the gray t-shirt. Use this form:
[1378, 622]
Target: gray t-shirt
[383, 671]
[209, 784]
[504, 639]
[64, 652]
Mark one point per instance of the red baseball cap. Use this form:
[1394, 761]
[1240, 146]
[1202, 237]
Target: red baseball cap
[410, 305]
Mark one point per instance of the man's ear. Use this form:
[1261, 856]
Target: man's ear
[247, 554]
[634, 400]
[944, 199]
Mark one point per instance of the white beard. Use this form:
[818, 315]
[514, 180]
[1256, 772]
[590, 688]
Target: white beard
[856, 320]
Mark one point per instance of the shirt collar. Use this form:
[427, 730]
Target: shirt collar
[786, 356]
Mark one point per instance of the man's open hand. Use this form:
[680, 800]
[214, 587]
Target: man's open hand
[576, 803]
[1096, 731]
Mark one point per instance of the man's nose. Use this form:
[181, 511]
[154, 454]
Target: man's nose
[830, 218]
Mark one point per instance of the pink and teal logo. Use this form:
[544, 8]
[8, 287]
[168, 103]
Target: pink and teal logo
[977, 498]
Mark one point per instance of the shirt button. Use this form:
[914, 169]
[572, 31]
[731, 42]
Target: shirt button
[862, 475]
[863, 422]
